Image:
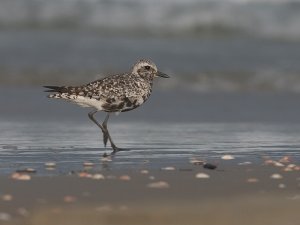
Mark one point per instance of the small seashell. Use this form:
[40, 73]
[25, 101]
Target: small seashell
[23, 212]
[98, 176]
[244, 163]
[69, 199]
[159, 185]
[209, 166]
[227, 157]
[202, 175]
[276, 176]
[297, 168]
[169, 168]
[295, 197]
[291, 166]
[20, 176]
[50, 164]
[5, 216]
[196, 161]
[144, 171]
[288, 169]
[125, 177]
[84, 175]
[285, 159]
[278, 164]
[269, 162]
[252, 180]
[151, 177]
[106, 159]
[281, 186]
[88, 164]
[7, 197]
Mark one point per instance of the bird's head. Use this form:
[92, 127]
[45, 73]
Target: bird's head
[147, 69]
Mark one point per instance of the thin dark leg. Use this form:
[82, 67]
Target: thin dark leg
[103, 127]
[106, 135]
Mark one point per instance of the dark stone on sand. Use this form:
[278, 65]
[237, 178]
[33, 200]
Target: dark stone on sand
[209, 166]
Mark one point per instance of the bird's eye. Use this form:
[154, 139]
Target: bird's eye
[147, 67]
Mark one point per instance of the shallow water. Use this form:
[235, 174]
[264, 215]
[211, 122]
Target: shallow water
[158, 134]
[151, 145]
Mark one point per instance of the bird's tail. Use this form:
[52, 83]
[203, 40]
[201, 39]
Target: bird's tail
[58, 89]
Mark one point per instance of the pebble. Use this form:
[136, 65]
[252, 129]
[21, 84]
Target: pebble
[26, 170]
[158, 185]
[151, 178]
[125, 178]
[209, 166]
[227, 157]
[202, 176]
[252, 180]
[276, 176]
[5, 216]
[20, 176]
[168, 168]
[7, 197]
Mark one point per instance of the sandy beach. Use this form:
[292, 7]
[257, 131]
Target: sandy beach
[261, 192]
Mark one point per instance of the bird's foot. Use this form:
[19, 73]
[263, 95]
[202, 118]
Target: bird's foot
[117, 149]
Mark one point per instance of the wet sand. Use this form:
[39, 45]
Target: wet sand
[262, 192]
[159, 181]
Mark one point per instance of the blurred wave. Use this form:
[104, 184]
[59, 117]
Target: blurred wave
[202, 64]
[266, 18]
[206, 45]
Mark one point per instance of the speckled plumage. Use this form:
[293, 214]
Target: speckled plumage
[116, 93]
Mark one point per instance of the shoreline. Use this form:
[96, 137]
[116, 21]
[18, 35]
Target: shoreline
[167, 196]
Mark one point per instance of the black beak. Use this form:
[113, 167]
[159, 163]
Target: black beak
[160, 74]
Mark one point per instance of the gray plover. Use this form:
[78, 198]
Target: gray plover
[116, 93]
